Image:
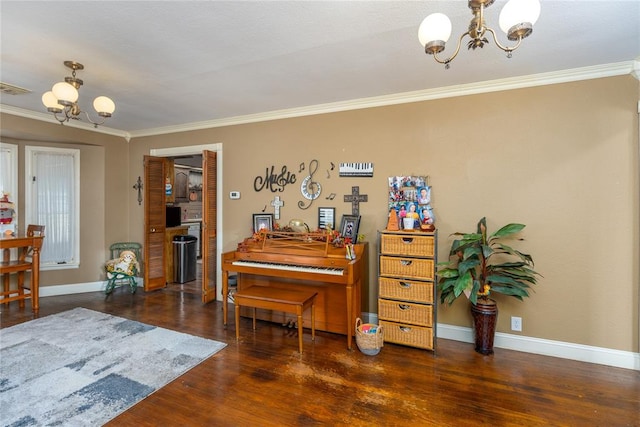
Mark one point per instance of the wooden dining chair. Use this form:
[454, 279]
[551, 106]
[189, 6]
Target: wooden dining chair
[22, 264]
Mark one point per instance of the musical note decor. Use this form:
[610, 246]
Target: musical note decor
[309, 188]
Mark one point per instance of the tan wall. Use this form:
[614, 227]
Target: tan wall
[562, 159]
[104, 190]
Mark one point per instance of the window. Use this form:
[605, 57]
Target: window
[52, 191]
[9, 172]
[9, 186]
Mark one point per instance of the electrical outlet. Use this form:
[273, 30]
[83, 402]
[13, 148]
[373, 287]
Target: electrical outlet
[516, 324]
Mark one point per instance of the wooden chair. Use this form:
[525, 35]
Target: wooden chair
[19, 266]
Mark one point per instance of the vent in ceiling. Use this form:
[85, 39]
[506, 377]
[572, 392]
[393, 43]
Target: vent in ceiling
[8, 89]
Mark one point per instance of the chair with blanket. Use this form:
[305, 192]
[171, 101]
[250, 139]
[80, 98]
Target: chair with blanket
[124, 266]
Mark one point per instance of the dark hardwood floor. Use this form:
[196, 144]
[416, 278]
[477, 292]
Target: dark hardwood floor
[263, 380]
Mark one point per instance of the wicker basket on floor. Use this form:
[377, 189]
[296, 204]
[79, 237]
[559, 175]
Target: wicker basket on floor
[369, 337]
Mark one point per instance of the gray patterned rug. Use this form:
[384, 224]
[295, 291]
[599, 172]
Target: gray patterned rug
[82, 367]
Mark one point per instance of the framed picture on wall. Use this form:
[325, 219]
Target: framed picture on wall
[262, 221]
[349, 227]
[326, 218]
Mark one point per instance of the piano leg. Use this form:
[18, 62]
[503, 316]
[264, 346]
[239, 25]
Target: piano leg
[350, 320]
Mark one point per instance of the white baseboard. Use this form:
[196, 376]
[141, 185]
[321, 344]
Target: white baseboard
[561, 349]
[77, 288]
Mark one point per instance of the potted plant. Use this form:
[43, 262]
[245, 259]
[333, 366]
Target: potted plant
[480, 264]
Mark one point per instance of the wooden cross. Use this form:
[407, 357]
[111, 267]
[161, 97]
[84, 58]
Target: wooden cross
[355, 198]
[277, 203]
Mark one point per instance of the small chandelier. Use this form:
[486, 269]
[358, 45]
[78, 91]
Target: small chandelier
[63, 97]
[516, 20]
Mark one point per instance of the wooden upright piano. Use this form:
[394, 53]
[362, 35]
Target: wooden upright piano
[302, 261]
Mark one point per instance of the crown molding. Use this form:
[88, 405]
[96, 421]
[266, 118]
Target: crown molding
[46, 117]
[635, 72]
[512, 83]
[543, 79]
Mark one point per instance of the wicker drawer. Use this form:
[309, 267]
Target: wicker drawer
[415, 336]
[406, 290]
[405, 312]
[394, 244]
[406, 267]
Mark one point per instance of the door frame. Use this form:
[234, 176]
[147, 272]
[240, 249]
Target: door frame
[195, 150]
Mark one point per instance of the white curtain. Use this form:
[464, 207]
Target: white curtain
[54, 205]
[8, 171]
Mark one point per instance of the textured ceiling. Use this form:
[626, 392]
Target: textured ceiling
[173, 63]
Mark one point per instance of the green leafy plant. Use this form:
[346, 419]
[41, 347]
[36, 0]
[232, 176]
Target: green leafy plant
[481, 264]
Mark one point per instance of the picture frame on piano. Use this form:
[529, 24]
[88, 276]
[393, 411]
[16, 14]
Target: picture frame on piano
[262, 221]
[327, 218]
[349, 227]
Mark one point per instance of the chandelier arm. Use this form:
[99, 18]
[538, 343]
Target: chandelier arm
[505, 48]
[95, 124]
[452, 57]
[64, 119]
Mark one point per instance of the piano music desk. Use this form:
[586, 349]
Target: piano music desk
[286, 300]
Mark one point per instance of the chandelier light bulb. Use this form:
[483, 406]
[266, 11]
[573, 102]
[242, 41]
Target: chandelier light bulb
[51, 102]
[516, 20]
[65, 93]
[435, 27]
[517, 12]
[63, 98]
[104, 106]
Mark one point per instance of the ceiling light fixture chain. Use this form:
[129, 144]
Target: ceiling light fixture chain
[63, 97]
[516, 20]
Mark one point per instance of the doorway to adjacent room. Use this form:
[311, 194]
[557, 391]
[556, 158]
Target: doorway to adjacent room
[190, 161]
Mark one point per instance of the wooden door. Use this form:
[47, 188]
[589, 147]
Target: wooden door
[209, 226]
[154, 223]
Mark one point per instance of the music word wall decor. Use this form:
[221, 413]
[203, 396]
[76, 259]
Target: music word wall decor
[275, 182]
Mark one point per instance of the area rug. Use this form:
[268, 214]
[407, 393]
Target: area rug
[82, 367]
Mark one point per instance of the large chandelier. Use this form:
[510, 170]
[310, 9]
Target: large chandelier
[63, 98]
[516, 20]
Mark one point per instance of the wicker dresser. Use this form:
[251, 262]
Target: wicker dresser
[406, 278]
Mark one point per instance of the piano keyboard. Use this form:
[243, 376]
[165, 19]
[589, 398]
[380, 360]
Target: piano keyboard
[356, 169]
[291, 267]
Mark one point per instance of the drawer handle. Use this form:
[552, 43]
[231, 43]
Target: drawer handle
[406, 262]
[404, 307]
[407, 240]
[405, 285]
[404, 329]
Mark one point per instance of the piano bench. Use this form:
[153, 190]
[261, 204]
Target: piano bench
[268, 298]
